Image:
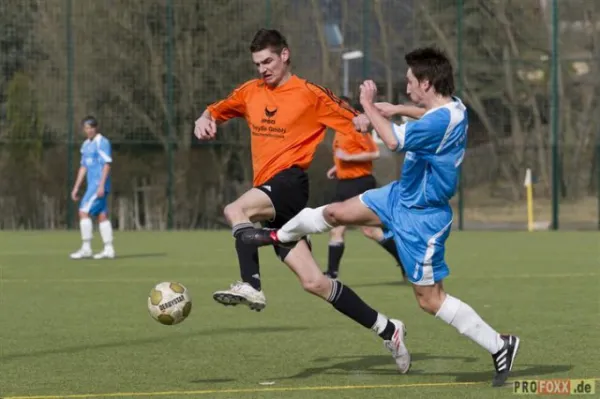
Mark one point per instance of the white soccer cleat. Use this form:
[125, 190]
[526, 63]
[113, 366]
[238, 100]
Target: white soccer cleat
[241, 294]
[107, 253]
[81, 254]
[397, 347]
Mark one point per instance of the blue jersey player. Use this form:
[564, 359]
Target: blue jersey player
[414, 210]
[96, 159]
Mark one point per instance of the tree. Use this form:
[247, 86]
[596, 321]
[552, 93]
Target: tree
[506, 52]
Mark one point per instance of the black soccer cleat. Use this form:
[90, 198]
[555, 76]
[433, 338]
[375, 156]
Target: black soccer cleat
[263, 237]
[259, 237]
[504, 359]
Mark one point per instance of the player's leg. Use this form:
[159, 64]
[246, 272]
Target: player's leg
[346, 301]
[275, 201]
[386, 241]
[335, 251]
[100, 208]
[85, 226]
[369, 209]
[503, 348]
[422, 248]
[345, 190]
[254, 205]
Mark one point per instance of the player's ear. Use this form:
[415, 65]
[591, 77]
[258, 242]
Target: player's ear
[426, 84]
[285, 55]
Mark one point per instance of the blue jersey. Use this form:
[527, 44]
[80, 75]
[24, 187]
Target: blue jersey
[435, 147]
[95, 154]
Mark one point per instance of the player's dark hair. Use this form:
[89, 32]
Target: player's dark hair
[433, 65]
[89, 120]
[268, 38]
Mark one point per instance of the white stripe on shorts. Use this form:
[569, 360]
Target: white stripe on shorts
[427, 276]
[88, 205]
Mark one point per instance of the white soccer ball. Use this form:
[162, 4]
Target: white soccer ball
[169, 303]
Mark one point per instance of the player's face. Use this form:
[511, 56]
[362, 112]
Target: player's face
[89, 130]
[416, 90]
[271, 66]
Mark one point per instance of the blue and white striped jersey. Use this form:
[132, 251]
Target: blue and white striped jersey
[435, 147]
[95, 154]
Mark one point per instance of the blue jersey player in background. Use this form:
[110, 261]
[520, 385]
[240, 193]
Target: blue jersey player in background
[415, 210]
[96, 159]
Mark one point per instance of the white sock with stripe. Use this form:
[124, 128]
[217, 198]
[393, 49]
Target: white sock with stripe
[462, 317]
[86, 227]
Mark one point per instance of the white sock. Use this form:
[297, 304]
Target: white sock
[308, 221]
[105, 228]
[380, 324]
[85, 225]
[462, 317]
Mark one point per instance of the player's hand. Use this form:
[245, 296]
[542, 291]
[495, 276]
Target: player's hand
[74, 194]
[342, 155]
[362, 123]
[331, 173]
[386, 109]
[368, 92]
[205, 128]
[100, 192]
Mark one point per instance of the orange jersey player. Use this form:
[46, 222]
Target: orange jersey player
[287, 117]
[286, 122]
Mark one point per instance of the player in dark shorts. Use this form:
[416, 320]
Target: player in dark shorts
[353, 158]
[287, 117]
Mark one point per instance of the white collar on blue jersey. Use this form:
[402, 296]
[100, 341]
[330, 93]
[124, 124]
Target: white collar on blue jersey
[96, 139]
[456, 102]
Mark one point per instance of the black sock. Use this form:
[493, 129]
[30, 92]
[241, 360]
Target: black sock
[336, 250]
[390, 246]
[388, 332]
[247, 257]
[347, 302]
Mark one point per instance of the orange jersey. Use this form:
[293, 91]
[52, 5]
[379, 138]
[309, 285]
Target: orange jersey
[353, 145]
[287, 123]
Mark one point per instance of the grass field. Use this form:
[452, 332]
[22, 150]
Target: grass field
[80, 329]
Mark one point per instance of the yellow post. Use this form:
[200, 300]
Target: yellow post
[529, 187]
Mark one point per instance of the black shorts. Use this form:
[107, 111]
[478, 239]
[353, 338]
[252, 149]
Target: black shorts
[288, 191]
[348, 188]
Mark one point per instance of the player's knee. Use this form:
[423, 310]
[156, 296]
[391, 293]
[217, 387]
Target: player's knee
[316, 285]
[83, 215]
[233, 211]
[333, 214]
[429, 303]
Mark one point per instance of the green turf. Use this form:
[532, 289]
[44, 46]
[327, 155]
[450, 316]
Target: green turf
[81, 327]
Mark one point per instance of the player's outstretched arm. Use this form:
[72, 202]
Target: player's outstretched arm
[389, 110]
[333, 112]
[383, 126]
[359, 157]
[234, 106]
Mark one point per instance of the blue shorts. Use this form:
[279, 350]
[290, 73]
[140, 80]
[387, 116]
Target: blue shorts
[92, 205]
[420, 234]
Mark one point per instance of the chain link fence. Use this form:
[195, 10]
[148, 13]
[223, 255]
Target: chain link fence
[527, 69]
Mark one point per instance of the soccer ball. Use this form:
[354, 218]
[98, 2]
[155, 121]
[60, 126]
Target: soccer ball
[169, 303]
